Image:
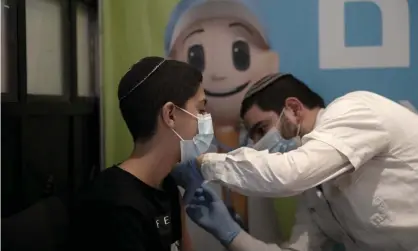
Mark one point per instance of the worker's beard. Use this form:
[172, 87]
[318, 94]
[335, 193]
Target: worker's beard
[288, 130]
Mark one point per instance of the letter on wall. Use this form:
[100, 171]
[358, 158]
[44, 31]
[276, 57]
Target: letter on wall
[394, 50]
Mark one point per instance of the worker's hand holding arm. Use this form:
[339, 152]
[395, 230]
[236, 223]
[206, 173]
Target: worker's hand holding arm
[188, 176]
[208, 211]
[347, 135]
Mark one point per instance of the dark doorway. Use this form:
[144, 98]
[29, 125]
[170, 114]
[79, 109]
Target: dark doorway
[50, 119]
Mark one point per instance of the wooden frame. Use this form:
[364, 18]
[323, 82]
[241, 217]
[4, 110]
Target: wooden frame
[20, 105]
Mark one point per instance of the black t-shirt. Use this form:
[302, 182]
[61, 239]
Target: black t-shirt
[120, 212]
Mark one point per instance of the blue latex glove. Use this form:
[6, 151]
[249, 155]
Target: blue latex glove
[208, 211]
[188, 176]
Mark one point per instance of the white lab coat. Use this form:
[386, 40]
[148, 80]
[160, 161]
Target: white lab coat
[364, 151]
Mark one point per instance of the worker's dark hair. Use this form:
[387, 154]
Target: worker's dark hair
[270, 93]
[162, 81]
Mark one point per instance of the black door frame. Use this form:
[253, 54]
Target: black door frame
[16, 102]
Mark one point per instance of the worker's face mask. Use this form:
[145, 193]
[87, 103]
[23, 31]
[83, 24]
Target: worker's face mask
[273, 142]
[201, 142]
[289, 130]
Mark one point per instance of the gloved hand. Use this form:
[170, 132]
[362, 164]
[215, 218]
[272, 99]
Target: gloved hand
[208, 211]
[188, 176]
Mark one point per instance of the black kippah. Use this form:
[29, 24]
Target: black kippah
[263, 83]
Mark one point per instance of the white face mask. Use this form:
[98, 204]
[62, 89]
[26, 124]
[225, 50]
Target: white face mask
[201, 142]
[273, 142]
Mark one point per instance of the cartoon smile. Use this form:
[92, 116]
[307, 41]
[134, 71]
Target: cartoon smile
[228, 93]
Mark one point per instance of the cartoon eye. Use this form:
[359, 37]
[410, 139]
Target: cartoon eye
[241, 55]
[196, 57]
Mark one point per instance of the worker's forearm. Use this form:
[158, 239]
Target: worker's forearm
[260, 173]
[245, 242]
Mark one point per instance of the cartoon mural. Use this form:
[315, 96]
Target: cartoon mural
[226, 41]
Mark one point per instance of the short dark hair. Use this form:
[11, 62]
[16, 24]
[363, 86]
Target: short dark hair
[166, 80]
[270, 93]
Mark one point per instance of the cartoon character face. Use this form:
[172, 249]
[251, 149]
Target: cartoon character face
[231, 55]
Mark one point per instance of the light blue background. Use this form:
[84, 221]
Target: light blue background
[292, 28]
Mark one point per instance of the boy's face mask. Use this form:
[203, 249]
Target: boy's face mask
[201, 142]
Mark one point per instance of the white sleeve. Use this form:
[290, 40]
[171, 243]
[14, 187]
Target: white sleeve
[305, 237]
[348, 135]
[259, 173]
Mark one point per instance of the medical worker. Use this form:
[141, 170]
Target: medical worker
[356, 168]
